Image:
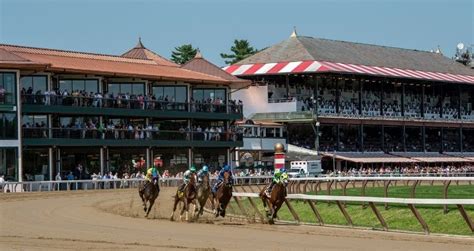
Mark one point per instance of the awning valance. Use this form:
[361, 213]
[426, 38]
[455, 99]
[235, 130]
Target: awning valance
[324, 66]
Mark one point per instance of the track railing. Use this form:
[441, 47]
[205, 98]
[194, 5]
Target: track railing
[73, 185]
[372, 201]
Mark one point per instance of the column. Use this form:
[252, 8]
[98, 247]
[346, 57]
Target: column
[361, 137]
[102, 160]
[50, 163]
[338, 95]
[361, 83]
[229, 160]
[148, 158]
[383, 138]
[381, 98]
[287, 83]
[404, 138]
[423, 104]
[460, 139]
[423, 137]
[441, 102]
[442, 139]
[190, 157]
[58, 160]
[403, 101]
[316, 95]
[337, 137]
[459, 102]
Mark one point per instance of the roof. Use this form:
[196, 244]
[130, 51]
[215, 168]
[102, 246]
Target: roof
[257, 122]
[91, 63]
[13, 60]
[307, 54]
[404, 157]
[141, 52]
[200, 64]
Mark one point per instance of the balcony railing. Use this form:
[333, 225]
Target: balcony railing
[128, 103]
[125, 134]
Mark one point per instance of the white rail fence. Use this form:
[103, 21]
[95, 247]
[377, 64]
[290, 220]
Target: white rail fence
[311, 200]
[74, 185]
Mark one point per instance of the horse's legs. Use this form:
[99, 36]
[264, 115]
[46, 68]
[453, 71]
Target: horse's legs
[174, 207]
[143, 200]
[151, 202]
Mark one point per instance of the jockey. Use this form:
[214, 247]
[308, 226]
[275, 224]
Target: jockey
[187, 177]
[152, 174]
[220, 178]
[280, 175]
[203, 172]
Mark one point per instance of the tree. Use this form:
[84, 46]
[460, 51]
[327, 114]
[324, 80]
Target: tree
[183, 53]
[241, 49]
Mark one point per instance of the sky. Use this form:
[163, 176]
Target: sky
[113, 26]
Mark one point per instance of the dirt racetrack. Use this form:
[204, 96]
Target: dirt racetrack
[113, 219]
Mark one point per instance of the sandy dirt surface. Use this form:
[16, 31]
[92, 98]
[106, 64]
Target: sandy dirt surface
[113, 220]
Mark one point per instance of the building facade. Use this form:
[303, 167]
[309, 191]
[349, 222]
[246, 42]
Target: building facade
[64, 111]
[343, 97]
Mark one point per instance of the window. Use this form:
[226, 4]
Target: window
[8, 125]
[34, 120]
[36, 83]
[7, 88]
[132, 88]
[88, 85]
[174, 93]
[8, 163]
[206, 94]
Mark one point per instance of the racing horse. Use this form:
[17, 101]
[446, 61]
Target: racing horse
[149, 192]
[187, 196]
[203, 192]
[273, 203]
[222, 196]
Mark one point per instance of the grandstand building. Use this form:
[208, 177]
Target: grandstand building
[67, 111]
[362, 103]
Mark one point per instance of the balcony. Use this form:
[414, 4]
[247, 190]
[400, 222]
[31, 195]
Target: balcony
[40, 136]
[128, 107]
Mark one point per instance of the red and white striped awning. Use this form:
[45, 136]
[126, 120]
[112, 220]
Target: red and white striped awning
[323, 66]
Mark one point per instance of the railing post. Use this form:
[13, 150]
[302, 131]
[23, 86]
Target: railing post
[344, 212]
[386, 184]
[466, 217]
[255, 208]
[292, 211]
[413, 188]
[419, 218]
[379, 216]
[445, 194]
[316, 212]
[364, 185]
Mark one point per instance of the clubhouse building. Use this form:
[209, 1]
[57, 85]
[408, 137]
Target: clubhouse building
[63, 111]
[361, 103]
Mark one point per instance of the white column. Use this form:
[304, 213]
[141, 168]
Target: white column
[50, 163]
[58, 159]
[148, 158]
[190, 157]
[229, 160]
[20, 146]
[102, 161]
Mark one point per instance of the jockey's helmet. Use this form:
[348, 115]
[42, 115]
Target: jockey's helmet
[226, 168]
[283, 170]
[192, 168]
[205, 168]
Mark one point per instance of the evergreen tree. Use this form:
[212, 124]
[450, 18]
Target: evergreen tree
[183, 53]
[240, 50]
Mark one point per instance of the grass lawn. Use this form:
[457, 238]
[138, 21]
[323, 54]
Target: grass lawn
[397, 217]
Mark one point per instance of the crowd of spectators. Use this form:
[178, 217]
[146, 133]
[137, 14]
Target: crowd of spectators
[117, 130]
[82, 98]
[371, 105]
[449, 170]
